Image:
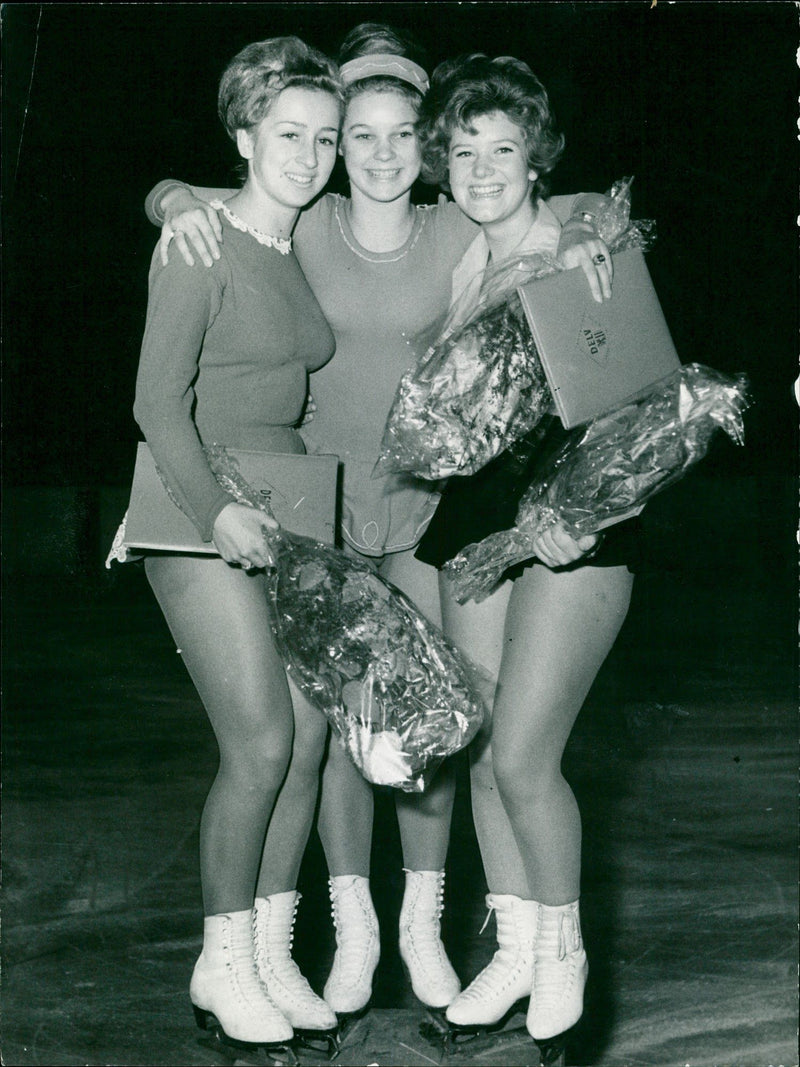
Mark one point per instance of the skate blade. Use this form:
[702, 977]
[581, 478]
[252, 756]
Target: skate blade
[325, 1042]
[242, 1053]
[348, 1022]
[552, 1051]
[506, 1033]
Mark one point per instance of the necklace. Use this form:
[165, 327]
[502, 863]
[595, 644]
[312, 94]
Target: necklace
[380, 257]
[282, 244]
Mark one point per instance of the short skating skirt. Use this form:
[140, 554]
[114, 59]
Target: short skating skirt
[480, 504]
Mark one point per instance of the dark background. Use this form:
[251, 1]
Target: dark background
[681, 761]
[697, 100]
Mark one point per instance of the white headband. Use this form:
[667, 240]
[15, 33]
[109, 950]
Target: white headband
[385, 65]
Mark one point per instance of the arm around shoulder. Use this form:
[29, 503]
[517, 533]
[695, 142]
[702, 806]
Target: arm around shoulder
[184, 212]
[578, 211]
[162, 196]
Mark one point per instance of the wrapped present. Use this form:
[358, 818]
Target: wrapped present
[610, 469]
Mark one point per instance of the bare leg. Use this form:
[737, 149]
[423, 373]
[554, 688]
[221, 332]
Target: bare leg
[345, 828]
[346, 812]
[549, 634]
[219, 619]
[344, 825]
[346, 806]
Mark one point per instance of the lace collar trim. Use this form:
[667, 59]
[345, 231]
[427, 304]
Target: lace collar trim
[282, 244]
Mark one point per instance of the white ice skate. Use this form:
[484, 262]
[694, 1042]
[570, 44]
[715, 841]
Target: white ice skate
[509, 975]
[433, 979]
[488, 1014]
[349, 986]
[273, 933]
[225, 990]
[559, 972]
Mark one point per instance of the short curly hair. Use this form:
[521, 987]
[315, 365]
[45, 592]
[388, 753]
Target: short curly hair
[257, 75]
[471, 86]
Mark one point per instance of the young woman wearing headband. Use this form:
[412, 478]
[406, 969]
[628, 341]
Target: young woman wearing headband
[381, 268]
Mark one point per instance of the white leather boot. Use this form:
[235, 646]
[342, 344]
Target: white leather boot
[225, 984]
[273, 933]
[349, 985]
[560, 968]
[433, 979]
[509, 975]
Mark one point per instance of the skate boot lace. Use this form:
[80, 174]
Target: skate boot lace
[274, 960]
[242, 968]
[555, 976]
[354, 951]
[503, 969]
[489, 911]
[423, 935]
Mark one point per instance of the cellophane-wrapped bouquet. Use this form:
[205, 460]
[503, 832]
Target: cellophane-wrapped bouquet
[399, 696]
[611, 469]
[481, 386]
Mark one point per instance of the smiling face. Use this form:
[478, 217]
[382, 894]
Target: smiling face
[380, 146]
[291, 152]
[489, 174]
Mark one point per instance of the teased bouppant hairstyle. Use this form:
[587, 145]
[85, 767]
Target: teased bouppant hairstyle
[261, 71]
[377, 38]
[471, 86]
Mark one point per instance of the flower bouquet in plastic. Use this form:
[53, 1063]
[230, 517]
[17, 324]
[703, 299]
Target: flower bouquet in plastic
[481, 386]
[399, 695]
[609, 469]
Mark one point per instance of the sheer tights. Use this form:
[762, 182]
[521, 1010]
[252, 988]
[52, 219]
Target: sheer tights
[218, 616]
[544, 637]
[346, 805]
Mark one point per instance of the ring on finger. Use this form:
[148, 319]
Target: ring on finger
[599, 258]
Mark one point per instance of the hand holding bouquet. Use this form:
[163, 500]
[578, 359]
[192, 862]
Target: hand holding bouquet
[399, 696]
[611, 469]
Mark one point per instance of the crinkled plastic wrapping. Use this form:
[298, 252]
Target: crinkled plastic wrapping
[481, 386]
[399, 695]
[476, 390]
[610, 469]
